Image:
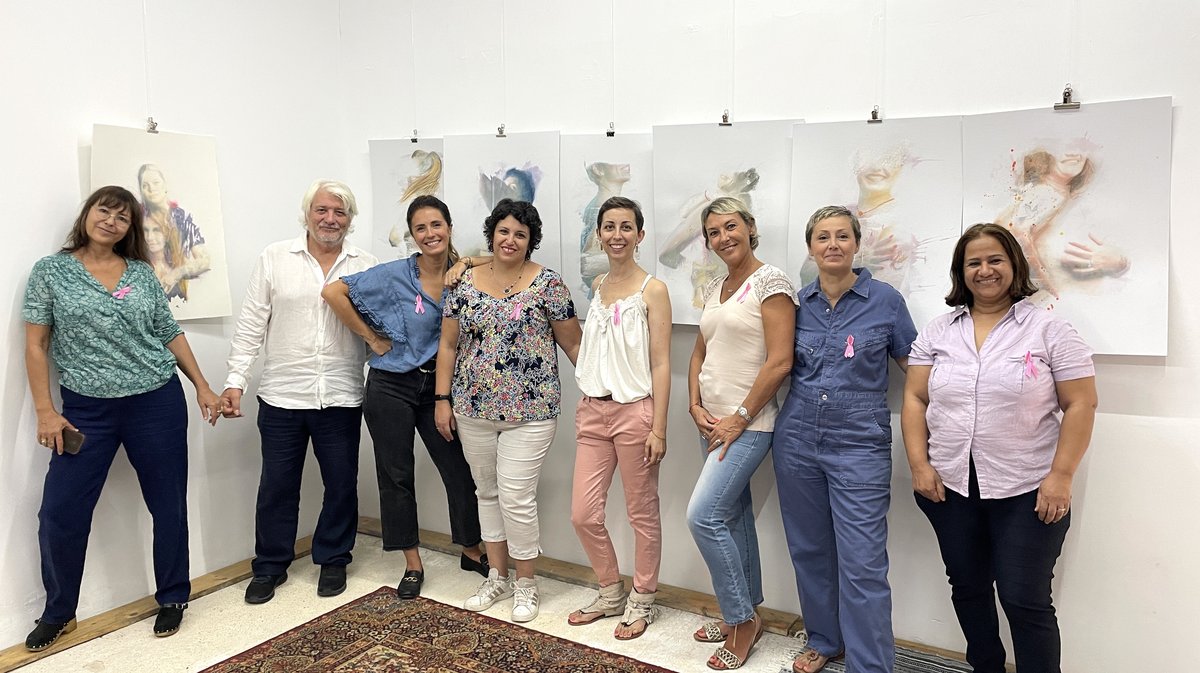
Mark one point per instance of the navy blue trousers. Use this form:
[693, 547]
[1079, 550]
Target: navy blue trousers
[1000, 543]
[396, 407]
[285, 434]
[153, 428]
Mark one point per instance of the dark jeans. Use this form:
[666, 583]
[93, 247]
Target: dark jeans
[334, 432]
[394, 406]
[153, 428]
[1000, 542]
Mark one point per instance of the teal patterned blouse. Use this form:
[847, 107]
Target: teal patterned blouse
[105, 344]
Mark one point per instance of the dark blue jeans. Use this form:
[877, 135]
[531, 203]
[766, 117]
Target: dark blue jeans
[153, 428]
[396, 406]
[334, 432]
[1000, 543]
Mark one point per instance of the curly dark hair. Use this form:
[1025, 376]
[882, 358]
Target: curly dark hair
[1022, 286]
[133, 244]
[522, 212]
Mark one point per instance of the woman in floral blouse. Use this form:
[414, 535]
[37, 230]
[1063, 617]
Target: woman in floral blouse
[497, 384]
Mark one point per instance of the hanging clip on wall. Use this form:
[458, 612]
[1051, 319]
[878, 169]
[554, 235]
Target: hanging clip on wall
[414, 136]
[151, 125]
[500, 131]
[612, 129]
[1067, 103]
[725, 119]
[874, 118]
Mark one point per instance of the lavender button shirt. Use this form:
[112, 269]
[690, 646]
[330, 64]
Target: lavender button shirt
[999, 405]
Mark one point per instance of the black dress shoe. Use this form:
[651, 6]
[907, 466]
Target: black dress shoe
[481, 566]
[262, 588]
[410, 584]
[45, 633]
[332, 581]
[169, 617]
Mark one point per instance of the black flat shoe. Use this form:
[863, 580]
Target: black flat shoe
[169, 617]
[332, 581]
[262, 588]
[46, 633]
[410, 584]
[481, 566]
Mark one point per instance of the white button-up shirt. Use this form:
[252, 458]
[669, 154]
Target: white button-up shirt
[313, 361]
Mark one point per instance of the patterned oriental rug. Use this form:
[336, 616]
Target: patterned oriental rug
[380, 634]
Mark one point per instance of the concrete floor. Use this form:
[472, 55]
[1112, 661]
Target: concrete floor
[221, 624]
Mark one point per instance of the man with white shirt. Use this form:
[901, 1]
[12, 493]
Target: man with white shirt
[311, 389]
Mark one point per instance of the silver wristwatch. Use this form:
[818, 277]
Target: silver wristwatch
[744, 413]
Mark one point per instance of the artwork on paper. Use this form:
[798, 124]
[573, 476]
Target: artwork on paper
[483, 169]
[695, 164]
[174, 177]
[903, 180]
[595, 168]
[1087, 194]
[401, 170]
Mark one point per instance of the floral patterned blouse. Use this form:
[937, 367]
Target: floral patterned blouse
[506, 367]
[104, 344]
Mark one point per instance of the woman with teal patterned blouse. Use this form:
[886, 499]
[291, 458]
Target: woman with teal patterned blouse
[96, 312]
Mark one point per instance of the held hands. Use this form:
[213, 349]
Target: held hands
[231, 403]
[49, 430]
[443, 419]
[1053, 498]
[211, 406]
[928, 483]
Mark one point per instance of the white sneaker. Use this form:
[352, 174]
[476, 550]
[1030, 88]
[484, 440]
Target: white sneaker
[494, 588]
[525, 602]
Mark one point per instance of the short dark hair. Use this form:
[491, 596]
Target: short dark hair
[828, 212]
[431, 201]
[523, 212]
[133, 244]
[621, 202]
[1022, 285]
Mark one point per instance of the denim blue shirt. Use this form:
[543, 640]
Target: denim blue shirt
[389, 297]
[840, 374]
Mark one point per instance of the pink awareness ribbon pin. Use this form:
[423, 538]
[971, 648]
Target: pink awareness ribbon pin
[616, 313]
[516, 312]
[120, 294]
[1031, 371]
[420, 304]
[745, 291]
[849, 346]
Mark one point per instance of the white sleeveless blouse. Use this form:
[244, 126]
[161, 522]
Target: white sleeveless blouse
[614, 355]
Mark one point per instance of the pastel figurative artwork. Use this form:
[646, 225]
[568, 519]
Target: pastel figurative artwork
[426, 182]
[1046, 187]
[684, 244]
[609, 179]
[512, 182]
[177, 250]
[887, 249]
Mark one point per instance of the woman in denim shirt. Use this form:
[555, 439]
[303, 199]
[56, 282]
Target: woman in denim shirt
[833, 450]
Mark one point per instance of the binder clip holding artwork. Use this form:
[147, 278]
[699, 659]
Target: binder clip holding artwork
[500, 131]
[612, 130]
[725, 119]
[414, 137]
[1067, 102]
[875, 118]
[151, 125]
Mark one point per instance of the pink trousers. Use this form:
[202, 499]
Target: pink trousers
[611, 435]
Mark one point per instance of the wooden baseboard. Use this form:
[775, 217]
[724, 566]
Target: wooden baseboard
[776, 621]
[131, 613]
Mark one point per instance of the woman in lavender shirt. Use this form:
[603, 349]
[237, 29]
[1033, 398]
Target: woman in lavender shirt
[992, 461]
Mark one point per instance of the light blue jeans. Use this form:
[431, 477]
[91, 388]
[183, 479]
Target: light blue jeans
[721, 518]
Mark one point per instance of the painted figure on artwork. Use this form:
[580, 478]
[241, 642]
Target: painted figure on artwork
[177, 250]
[1046, 186]
[516, 183]
[685, 244]
[426, 182]
[609, 180]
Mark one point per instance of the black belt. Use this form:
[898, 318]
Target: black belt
[603, 398]
[429, 367]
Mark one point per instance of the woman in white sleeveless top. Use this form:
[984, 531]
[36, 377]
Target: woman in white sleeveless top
[624, 372]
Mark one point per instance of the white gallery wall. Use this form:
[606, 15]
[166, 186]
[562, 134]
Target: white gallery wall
[294, 91]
